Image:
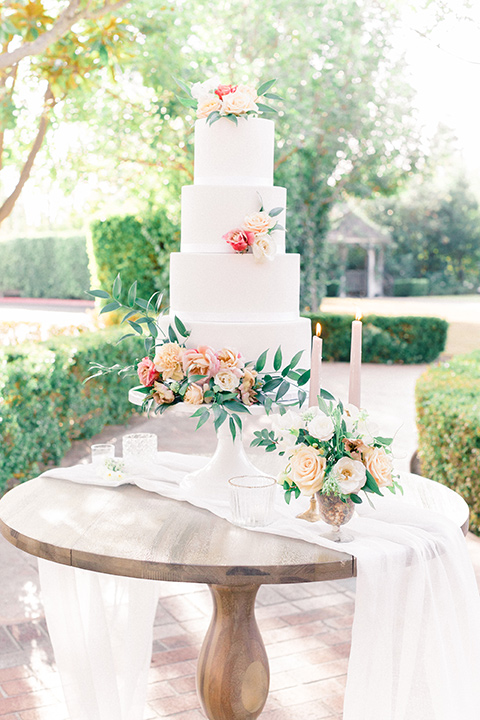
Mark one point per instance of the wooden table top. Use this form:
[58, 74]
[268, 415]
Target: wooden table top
[128, 531]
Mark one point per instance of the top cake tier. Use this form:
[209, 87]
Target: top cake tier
[229, 154]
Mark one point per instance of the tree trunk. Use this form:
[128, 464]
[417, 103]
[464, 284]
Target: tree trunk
[9, 203]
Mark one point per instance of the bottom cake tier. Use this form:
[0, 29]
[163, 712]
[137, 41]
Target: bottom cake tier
[251, 338]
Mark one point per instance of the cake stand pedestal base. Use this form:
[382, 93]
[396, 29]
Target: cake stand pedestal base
[229, 460]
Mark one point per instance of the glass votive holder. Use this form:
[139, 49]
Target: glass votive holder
[102, 451]
[251, 500]
[139, 446]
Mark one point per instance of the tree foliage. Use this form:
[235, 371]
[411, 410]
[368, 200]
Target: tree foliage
[48, 53]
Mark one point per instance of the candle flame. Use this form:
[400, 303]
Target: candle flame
[318, 330]
[358, 314]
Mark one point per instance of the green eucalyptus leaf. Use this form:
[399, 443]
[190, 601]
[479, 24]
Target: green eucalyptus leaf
[110, 307]
[98, 293]
[273, 96]
[304, 378]
[172, 335]
[132, 294]
[260, 364]
[265, 87]
[180, 327]
[232, 118]
[282, 390]
[277, 360]
[117, 287]
[276, 211]
[265, 108]
[183, 86]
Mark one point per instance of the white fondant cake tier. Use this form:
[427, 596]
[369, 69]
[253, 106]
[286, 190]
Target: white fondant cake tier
[251, 338]
[216, 287]
[229, 154]
[208, 212]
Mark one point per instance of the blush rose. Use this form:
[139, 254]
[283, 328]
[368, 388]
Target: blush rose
[201, 361]
[240, 240]
[147, 372]
[307, 469]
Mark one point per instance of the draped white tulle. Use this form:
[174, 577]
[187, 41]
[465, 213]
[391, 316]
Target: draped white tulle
[416, 636]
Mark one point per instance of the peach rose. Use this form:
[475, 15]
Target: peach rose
[207, 105]
[307, 469]
[201, 361]
[349, 474]
[168, 361]
[239, 239]
[248, 90]
[379, 464]
[237, 103]
[194, 395]
[259, 222]
[248, 396]
[264, 247]
[162, 395]
[231, 360]
[226, 380]
[147, 372]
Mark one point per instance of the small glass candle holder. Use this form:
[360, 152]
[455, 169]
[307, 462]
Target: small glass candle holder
[102, 451]
[251, 500]
[139, 447]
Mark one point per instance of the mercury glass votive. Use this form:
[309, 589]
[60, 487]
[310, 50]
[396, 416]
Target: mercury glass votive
[251, 500]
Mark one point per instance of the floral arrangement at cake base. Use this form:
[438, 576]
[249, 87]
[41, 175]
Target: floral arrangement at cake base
[332, 456]
[219, 382]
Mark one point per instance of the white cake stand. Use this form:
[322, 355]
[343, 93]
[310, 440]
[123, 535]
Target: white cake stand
[229, 459]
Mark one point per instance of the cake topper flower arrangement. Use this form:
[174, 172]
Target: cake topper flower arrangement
[330, 451]
[220, 382]
[213, 100]
[255, 234]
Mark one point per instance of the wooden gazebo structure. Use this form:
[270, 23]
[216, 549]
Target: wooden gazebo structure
[349, 228]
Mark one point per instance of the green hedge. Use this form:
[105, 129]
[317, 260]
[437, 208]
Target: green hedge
[44, 404]
[448, 420]
[410, 287]
[405, 340]
[50, 267]
[136, 247]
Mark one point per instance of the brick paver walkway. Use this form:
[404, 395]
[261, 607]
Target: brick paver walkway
[306, 629]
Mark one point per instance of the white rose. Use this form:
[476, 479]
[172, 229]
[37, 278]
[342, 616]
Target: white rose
[321, 427]
[286, 441]
[207, 105]
[290, 420]
[237, 102]
[349, 474]
[226, 380]
[200, 90]
[264, 247]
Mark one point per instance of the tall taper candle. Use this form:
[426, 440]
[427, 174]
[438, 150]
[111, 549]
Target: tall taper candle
[354, 391]
[315, 366]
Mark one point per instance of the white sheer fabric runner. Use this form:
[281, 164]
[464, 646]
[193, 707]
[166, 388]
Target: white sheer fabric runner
[416, 636]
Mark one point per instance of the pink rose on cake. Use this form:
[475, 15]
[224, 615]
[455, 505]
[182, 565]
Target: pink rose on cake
[223, 90]
[147, 372]
[168, 361]
[240, 240]
[201, 361]
[259, 222]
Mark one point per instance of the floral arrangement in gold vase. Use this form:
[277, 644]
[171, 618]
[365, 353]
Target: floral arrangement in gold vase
[331, 457]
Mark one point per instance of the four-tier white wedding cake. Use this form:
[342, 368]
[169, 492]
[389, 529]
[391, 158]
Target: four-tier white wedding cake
[225, 296]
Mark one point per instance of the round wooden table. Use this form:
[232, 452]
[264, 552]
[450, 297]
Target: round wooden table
[127, 531]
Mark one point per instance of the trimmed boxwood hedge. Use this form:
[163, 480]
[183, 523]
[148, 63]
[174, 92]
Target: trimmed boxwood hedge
[48, 267]
[405, 340]
[44, 404]
[448, 420]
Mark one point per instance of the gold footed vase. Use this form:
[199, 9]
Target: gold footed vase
[332, 510]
